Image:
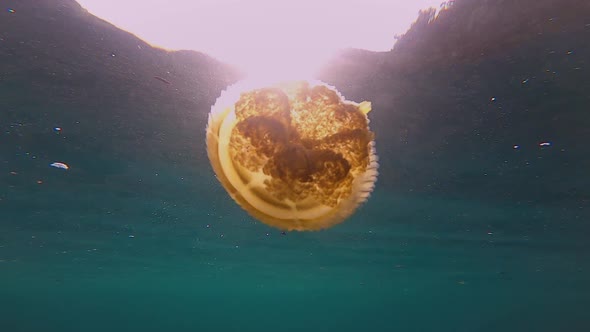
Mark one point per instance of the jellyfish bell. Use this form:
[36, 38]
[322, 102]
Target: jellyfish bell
[294, 154]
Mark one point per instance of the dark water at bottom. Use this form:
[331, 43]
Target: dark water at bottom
[403, 263]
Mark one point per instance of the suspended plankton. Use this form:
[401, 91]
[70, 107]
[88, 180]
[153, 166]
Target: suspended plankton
[295, 155]
[60, 165]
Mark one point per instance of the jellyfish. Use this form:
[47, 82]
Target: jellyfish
[295, 155]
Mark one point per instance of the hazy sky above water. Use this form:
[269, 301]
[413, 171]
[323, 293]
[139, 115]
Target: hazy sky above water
[264, 36]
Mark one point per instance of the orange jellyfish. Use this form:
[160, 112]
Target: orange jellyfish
[295, 155]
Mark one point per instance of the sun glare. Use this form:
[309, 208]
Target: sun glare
[283, 63]
[264, 37]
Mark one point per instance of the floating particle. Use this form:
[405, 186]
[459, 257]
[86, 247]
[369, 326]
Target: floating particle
[162, 79]
[516, 147]
[39, 182]
[60, 165]
[57, 129]
[525, 81]
[10, 10]
[493, 99]
[131, 236]
[545, 144]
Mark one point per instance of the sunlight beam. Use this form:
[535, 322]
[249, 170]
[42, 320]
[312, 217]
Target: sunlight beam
[264, 37]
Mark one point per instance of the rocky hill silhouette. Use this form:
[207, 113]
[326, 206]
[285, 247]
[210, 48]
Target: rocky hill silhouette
[465, 97]
[461, 103]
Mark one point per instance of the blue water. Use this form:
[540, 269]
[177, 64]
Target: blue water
[475, 224]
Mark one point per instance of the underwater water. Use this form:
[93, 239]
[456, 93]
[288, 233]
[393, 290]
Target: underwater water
[478, 221]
